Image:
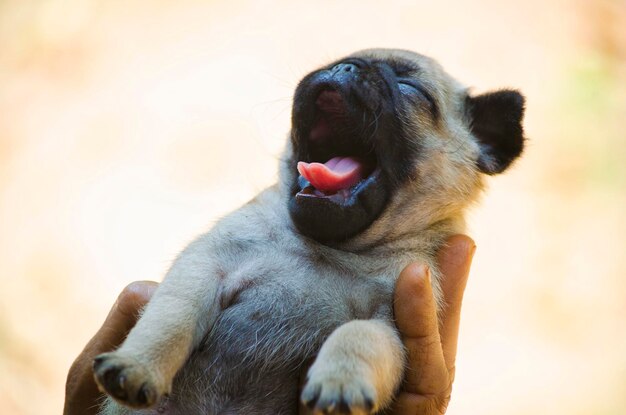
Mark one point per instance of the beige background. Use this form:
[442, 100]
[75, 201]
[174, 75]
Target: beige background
[128, 127]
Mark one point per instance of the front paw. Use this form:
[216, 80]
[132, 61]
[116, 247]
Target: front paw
[127, 380]
[339, 391]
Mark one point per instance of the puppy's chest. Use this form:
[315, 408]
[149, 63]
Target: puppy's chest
[286, 307]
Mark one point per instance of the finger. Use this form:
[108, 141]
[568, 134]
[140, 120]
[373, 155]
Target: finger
[81, 392]
[123, 315]
[454, 261]
[416, 318]
[412, 404]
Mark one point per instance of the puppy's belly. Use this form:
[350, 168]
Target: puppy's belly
[251, 361]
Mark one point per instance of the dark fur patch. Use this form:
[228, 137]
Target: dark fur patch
[370, 129]
[496, 121]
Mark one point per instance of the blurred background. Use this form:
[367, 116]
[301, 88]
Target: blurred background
[128, 127]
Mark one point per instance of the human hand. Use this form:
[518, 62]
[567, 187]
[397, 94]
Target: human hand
[81, 392]
[431, 342]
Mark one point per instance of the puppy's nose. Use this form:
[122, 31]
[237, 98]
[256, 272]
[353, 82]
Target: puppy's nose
[344, 73]
[344, 67]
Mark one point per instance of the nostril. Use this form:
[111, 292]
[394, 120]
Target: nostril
[344, 67]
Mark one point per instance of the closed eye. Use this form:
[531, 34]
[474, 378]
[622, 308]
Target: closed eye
[410, 88]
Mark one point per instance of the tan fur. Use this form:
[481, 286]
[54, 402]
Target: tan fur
[256, 252]
[362, 359]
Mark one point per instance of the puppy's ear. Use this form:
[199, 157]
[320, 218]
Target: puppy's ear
[496, 122]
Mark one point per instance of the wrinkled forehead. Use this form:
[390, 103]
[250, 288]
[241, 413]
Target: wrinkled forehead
[400, 58]
[410, 63]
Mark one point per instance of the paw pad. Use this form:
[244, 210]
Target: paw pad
[126, 380]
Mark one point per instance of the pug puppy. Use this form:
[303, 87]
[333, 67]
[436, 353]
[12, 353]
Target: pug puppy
[385, 153]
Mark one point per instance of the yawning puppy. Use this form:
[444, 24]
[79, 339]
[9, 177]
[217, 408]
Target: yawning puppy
[385, 153]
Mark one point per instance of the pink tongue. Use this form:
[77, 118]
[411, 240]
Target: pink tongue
[336, 174]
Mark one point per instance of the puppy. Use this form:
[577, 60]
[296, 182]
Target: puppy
[385, 153]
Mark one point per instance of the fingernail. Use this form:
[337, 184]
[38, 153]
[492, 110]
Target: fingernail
[421, 270]
[470, 254]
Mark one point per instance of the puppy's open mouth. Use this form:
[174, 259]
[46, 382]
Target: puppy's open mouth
[338, 128]
[342, 164]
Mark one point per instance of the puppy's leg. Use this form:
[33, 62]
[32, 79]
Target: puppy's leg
[357, 371]
[183, 308]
